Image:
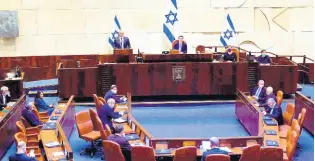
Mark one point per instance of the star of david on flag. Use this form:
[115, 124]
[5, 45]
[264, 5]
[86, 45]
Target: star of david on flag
[170, 25]
[115, 32]
[228, 36]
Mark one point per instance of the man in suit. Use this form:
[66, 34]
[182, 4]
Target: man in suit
[229, 55]
[30, 117]
[119, 138]
[107, 113]
[122, 42]
[264, 59]
[5, 97]
[269, 94]
[259, 92]
[214, 143]
[20, 154]
[112, 94]
[274, 111]
[181, 45]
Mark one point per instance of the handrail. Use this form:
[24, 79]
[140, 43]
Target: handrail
[241, 49]
[134, 120]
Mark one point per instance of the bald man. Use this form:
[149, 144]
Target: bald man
[215, 149]
[21, 153]
[122, 42]
[107, 113]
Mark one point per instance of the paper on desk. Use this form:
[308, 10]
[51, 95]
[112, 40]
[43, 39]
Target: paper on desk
[58, 154]
[120, 120]
[205, 145]
[10, 104]
[52, 144]
[137, 144]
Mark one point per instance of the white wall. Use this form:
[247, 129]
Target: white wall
[58, 27]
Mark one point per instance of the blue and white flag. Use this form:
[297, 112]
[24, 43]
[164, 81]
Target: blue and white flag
[115, 32]
[170, 25]
[228, 36]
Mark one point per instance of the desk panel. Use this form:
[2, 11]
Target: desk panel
[303, 102]
[80, 82]
[7, 124]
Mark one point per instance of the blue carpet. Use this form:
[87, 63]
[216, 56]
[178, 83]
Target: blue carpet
[308, 90]
[197, 121]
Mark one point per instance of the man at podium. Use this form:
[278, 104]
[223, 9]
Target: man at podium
[180, 45]
[122, 42]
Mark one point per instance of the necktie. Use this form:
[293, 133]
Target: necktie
[180, 47]
[258, 92]
[121, 43]
[271, 110]
[3, 99]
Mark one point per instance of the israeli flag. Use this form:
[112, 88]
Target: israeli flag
[228, 36]
[115, 32]
[170, 25]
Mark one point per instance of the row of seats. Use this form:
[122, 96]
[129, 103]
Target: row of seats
[30, 135]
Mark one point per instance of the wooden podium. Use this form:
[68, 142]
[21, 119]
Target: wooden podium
[123, 55]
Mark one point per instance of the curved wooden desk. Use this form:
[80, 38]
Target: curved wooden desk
[303, 102]
[65, 125]
[8, 117]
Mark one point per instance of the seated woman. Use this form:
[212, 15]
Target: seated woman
[269, 94]
[229, 56]
[41, 104]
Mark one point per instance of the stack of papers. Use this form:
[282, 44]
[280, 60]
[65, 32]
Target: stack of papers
[10, 104]
[52, 144]
[137, 144]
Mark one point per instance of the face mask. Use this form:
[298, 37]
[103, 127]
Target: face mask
[261, 86]
[263, 54]
[114, 91]
[229, 50]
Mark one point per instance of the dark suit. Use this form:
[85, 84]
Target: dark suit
[112, 95]
[107, 114]
[276, 114]
[229, 57]
[21, 157]
[183, 48]
[42, 106]
[126, 43]
[261, 95]
[271, 95]
[7, 100]
[31, 118]
[212, 151]
[124, 145]
[264, 60]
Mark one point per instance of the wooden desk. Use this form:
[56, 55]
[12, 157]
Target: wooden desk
[15, 86]
[303, 102]
[65, 125]
[9, 116]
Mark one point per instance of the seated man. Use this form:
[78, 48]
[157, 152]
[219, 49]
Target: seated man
[214, 143]
[274, 111]
[181, 45]
[119, 138]
[264, 59]
[259, 92]
[229, 56]
[5, 97]
[107, 113]
[20, 154]
[30, 117]
[122, 42]
[112, 94]
[269, 94]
